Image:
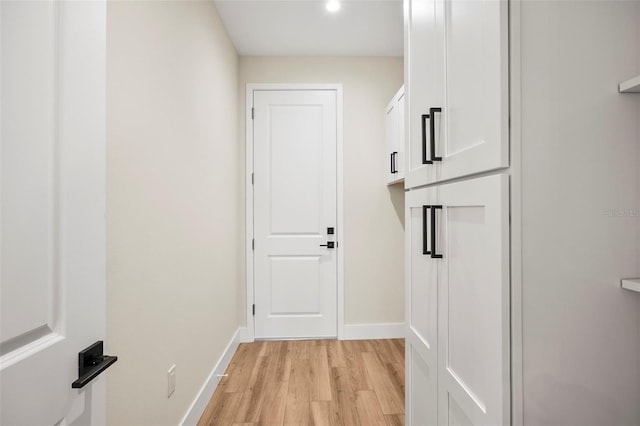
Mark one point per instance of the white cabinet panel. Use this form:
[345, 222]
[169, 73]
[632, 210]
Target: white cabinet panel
[473, 308]
[421, 269]
[422, 408]
[420, 87]
[400, 157]
[421, 311]
[475, 110]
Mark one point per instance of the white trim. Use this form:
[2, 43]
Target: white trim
[249, 211]
[373, 331]
[206, 392]
[245, 336]
[515, 163]
[340, 201]
[249, 335]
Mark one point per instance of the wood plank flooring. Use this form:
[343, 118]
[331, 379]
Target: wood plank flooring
[311, 382]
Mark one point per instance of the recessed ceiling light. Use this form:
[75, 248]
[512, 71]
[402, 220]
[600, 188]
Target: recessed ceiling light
[333, 6]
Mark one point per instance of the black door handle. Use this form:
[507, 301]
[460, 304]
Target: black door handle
[330, 244]
[432, 133]
[92, 362]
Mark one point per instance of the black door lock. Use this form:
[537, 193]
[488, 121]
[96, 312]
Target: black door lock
[330, 244]
[330, 230]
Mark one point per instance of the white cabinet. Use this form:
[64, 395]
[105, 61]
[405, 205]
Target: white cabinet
[503, 325]
[457, 84]
[394, 123]
[457, 311]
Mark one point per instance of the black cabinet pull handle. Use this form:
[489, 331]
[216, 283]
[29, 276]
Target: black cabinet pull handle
[394, 169]
[92, 362]
[425, 117]
[432, 133]
[425, 245]
[434, 251]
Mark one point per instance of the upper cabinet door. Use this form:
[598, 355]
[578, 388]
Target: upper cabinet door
[420, 88]
[458, 83]
[400, 143]
[394, 123]
[475, 110]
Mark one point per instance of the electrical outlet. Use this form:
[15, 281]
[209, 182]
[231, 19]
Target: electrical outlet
[171, 381]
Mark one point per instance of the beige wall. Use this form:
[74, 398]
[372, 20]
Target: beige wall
[174, 204]
[374, 213]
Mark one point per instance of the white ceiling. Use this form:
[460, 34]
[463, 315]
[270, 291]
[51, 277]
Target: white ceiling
[306, 28]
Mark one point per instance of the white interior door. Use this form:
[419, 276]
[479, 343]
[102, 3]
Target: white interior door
[295, 202]
[473, 308]
[52, 226]
[421, 310]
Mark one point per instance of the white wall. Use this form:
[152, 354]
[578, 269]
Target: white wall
[374, 213]
[638, 157]
[174, 204]
[581, 151]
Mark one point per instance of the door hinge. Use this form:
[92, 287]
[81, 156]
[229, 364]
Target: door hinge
[253, 113]
[253, 244]
[254, 310]
[252, 178]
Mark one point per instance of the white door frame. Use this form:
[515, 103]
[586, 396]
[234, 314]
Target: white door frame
[251, 88]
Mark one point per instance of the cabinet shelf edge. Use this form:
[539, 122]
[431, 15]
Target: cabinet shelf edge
[630, 86]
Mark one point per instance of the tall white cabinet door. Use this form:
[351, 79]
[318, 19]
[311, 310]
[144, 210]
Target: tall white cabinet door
[471, 131]
[473, 309]
[420, 88]
[421, 311]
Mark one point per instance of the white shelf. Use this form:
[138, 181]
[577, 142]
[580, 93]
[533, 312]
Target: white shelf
[631, 284]
[630, 86]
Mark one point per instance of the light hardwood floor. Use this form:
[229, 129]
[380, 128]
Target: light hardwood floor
[312, 382]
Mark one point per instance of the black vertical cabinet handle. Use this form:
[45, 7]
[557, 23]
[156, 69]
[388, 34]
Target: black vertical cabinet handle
[434, 251]
[394, 169]
[432, 133]
[425, 117]
[425, 237]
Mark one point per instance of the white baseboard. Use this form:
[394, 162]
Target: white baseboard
[245, 335]
[204, 396]
[373, 331]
